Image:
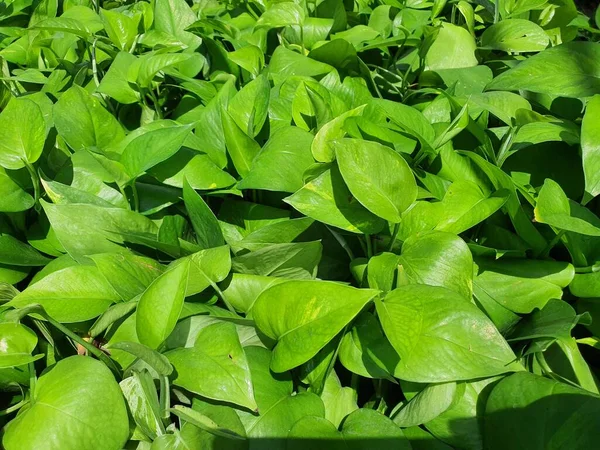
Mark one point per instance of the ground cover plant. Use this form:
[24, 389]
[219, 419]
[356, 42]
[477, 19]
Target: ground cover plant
[299, 225]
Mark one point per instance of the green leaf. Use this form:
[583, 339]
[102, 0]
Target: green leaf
[362, 429]
[378, 177]
[535, 412]
[198, 168]
[120, 28]
[322, 146]
[140, 394]
[425, 324]
[150, 145]
[242, 290]
[206, 267]
[590, 146]
[294, 260]
[521, 285]
[224, 417]
[327, 199]
[128, 274]
[438, 259]
[276, 233]
[76, 387]
[18, 343]
[339, 401]
[249, 107]
[585, 285]
[281, 15]
[73, 294]
[515, 36]
[173, 17]
[87, 229]
[281, 163]
[84, 123]
[315, 313]
[567, 70]
[285, 63]
[459, 425]
[382, 270]
[428, 404]
[278, 407]
[16, 253]
[554, 208]
[114, 313]
[216, 367]
[13, 198]
[206, 226]
[115, 84]
[410, 120]
[554, 320]
[366, 351]
[158, 362]
[22, 133]
[201, 421]
[160, 305]
[241, 148]
[453, 48]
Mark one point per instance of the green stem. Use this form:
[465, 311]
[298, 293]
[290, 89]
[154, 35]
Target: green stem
[124, 194]
[222, 296]
[354, 382]
[165, 398]
[496, 11]
[136, 199]
[38, 309]
[369, 245]
[32, 378]
[342, 241]
[134, 45]
[546, 251]
[94, 63]
[35, 180]
[302, 40]
[394, 236]
[505, 147]
[13, 408]
[589, 269]
[156, 104]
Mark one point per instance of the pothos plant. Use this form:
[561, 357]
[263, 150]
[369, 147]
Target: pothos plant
[310, 224]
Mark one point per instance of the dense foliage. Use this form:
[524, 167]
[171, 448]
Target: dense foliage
[363, 224]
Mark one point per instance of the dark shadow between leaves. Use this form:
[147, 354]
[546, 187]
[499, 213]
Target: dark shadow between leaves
[561, 421]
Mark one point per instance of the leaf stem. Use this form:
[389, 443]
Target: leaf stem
[369, 245]
[302, 40]
[342, 241]
[589, 269]
[354, 379]
[38, 309]
[505, 147]
[496, 11]
[13, 408]
[222, 296]
[32, 378]
[156, 104]
[136, 198]
[94, 63]
[165, 397]
[546, 251]
[394, 236]
[124, 194]
[35, 180]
